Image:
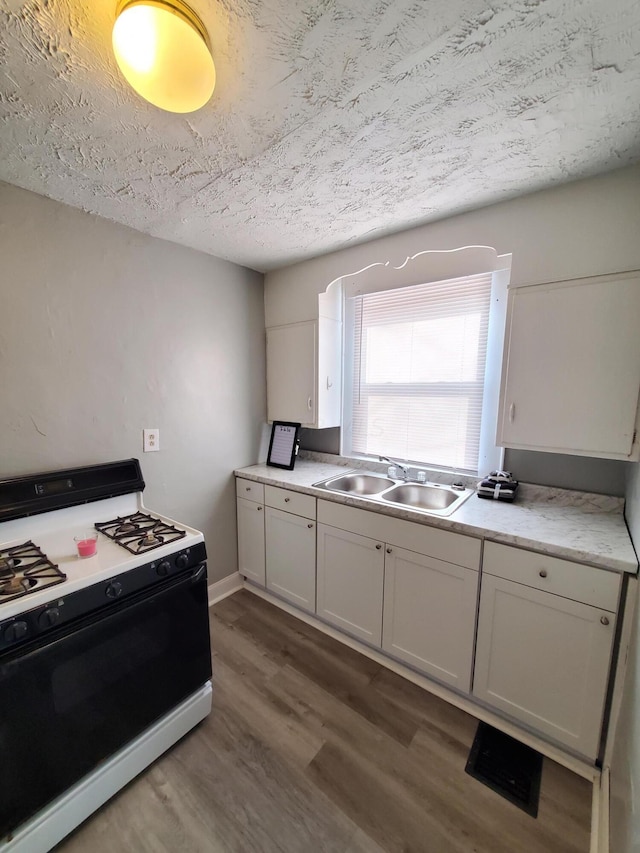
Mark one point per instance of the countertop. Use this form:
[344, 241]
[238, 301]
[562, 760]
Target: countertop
[573, 525]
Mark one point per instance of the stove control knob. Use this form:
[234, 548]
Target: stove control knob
[182, 561]
[113, 590]
[49, 617]
[15, 631]
[163, 568]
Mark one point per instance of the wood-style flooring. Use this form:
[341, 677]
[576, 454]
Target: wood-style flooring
[312, 747]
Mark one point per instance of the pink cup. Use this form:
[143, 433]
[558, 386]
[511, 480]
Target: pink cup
[87, 543]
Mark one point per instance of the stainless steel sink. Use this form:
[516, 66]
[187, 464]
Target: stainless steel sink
[430, 498]
[358, 484]
[422, 496]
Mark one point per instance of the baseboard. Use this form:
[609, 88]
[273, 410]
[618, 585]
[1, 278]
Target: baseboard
[600, 814]
[227, 586]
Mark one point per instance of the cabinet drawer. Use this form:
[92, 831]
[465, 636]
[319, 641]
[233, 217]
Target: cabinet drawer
[441, 544]
[294, 502]
[250, 490]
[551, 574]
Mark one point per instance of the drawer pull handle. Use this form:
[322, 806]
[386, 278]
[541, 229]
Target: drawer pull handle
[309, 526]
[378, 547]
[389, 550]
[604, 620]
[286, 500]
[248, 488]
[512, 413]
[543, 573]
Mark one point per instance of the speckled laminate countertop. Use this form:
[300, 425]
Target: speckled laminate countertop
[574, 525]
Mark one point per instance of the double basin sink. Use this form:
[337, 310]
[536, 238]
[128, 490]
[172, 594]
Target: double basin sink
[431, 498]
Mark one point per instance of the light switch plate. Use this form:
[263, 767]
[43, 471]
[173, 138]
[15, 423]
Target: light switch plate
[150, 440]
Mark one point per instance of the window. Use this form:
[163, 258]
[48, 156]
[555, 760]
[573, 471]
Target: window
[416, 370]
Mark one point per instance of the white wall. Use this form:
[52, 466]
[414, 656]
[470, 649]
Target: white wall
[105, 331]
[625, 764]
[589, 227]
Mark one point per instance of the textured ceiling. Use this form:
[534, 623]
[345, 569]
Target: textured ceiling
[332, 122]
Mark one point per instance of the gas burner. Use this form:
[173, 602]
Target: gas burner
[140, 532]
[17, 585]
[24, 569]
[7, 565]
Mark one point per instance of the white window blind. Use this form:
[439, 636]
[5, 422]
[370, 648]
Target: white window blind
[415, 381]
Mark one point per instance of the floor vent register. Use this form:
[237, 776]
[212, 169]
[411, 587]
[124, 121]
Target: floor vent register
[507, 766]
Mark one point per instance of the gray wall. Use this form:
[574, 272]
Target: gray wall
[106, 331]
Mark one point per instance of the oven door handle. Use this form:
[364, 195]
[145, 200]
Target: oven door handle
[198, 573]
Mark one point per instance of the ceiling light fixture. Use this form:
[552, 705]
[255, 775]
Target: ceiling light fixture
[162, 48]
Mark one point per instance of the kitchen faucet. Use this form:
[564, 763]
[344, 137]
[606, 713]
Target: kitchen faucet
[404, 468]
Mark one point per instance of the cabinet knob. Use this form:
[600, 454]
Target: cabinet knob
[286, 500]
[259, 509]
[604, 620]
[389, 550]
[309, 526]
[248, 488]
[378, 547]
[543, 573]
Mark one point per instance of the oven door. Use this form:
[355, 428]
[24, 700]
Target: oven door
[80, 694]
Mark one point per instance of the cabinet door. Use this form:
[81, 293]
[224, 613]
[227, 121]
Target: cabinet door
[251, 540]
[571, 373]
[291, 373]
[350, 582]
[429, 615]
[329, 390]
[544, 660]
[291, 557]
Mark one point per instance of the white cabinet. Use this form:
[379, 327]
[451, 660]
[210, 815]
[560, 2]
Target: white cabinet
[541, 657]
[304, 373]
[291, 557]
[350, 582]
[571, 370]
[429, 603]
[429, 615]
[251, 545]
[277, 541]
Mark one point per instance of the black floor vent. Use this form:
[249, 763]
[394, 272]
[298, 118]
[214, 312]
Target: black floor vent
[507, 766]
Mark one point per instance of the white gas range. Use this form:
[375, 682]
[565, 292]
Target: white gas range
[105, 659]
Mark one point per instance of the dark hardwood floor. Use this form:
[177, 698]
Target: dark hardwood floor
[313, 747]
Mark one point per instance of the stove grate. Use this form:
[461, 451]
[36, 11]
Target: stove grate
[25, 569]
[139, 533]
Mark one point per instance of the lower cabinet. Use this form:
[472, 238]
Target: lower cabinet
[429, 615]
[541, 657]
[291, 557]
[545, 625]
[351, 582]
[251, 545]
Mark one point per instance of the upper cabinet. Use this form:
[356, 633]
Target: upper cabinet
[304, 373]
[571, 369]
